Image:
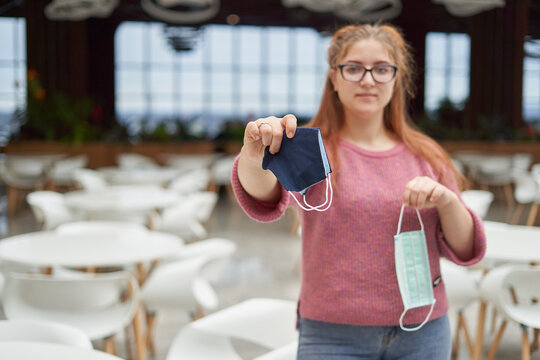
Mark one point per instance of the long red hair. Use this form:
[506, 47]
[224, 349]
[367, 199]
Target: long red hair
[330, 117]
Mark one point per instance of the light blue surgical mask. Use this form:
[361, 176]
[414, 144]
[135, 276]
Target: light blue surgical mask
[412, 269]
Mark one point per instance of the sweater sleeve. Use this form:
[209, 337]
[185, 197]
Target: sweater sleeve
[479, 240]
[255, 209]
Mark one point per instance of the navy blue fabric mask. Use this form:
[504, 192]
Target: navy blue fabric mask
[301, 163]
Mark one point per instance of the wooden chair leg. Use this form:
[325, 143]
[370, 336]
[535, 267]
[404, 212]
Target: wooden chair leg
[535, 343]
[140, 342]
[109, 345]
[517, 214]
[455, 344]
[496, 342]
[466, 334]
[493, 320]
[479, 341]
[532, 214]
[525, 349]
[150, 321]
[12, 200]
[509, 196]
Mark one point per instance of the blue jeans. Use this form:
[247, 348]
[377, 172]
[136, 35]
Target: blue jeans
[330, 341]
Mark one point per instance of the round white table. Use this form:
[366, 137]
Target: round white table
[89, 249]
[139, 176]
[31, 350]
[122, 199]
[512, 243]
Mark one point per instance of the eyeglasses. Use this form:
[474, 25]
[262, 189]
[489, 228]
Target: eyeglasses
[380, 73]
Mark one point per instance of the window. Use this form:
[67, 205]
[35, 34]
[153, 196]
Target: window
[531, 83]
[12, 71]
[233, 72]
[447, 70]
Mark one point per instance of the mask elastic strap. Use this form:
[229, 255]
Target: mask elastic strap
[419, 326]
[401, 218]
[325, 203]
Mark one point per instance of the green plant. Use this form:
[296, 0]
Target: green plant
[55, 116]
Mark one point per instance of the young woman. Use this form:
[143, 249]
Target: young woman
[350, 302]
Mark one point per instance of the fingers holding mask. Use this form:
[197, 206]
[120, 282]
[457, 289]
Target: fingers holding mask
[418, 192]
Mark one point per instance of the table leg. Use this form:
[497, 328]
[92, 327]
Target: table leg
[479, 341]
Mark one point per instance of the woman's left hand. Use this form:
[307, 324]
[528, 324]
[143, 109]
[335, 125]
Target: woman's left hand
[424, 192]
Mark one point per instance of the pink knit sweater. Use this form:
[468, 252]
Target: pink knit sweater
[348, 272]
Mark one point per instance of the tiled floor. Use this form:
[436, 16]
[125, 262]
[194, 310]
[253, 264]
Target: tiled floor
[267, 265]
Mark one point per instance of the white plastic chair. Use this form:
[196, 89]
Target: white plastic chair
[526, 191]
[185, 218]
[191, 182]
[478, 201]
[43, 331]
[20, 176]
[133, 160]
[62, 171]
[100, 305]
[461, 285]
[496, 171]
[189, 162]
[512, 290]
[185, 283]
[177, 286]
[266, 322]
[49, 209]
[89, 179]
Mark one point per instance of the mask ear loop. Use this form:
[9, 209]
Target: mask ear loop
[401, 218]
[318, 207]
[432, 305]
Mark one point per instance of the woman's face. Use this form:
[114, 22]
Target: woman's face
[365, 97]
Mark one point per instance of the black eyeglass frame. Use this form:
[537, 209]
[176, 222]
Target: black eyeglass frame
[366, 70]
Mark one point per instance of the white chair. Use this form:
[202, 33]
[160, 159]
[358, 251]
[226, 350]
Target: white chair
[512, 289]
[190, 182]
[185, 282]
[269, 323]
[49, 209]
[61, 174]
[478, 201]
[96, 225]
[496, 171]
[189, 162]
[185, 218]
[100, 305]
[218, 251]
[461, 285]
[43, 331]
[177, 286]
[21, 176]
[89, 179]
[222, 170]
[526, 191]
[133, 161]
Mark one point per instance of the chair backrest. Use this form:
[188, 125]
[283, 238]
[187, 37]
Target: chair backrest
[521, 162]
[222, 169]
[504, 284]
[89, 179]
[203, 202]
[266, 322]
[133, 160]
[68, 165]
[478, 201]
[179, 285]
[218, 251]
[191, 182]
[43, 331]
[526, 189]
[98, 304]
[49, 208]
[96, 225]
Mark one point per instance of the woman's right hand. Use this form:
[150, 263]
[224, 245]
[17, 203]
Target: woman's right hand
[266, 132]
